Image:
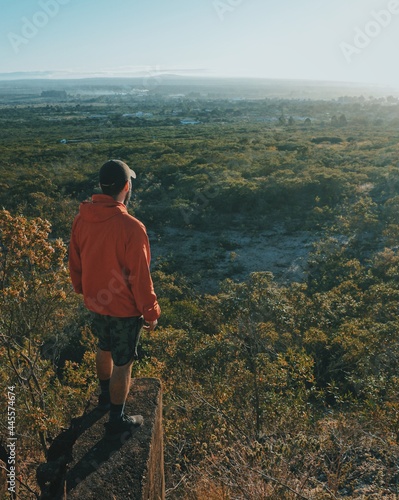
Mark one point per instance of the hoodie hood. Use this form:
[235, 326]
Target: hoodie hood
[101, 208]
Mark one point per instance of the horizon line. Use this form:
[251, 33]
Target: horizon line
[60, 75]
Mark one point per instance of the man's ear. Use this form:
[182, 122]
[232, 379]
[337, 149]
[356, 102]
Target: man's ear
[126, 187]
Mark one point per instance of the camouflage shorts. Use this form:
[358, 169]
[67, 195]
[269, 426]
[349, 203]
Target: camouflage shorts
[119, 335]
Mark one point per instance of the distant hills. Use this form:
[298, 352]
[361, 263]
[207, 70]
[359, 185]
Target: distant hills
[67, 75]
[159, 82]
[26, 75]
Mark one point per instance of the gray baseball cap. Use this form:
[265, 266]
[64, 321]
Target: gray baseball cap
[115, 172]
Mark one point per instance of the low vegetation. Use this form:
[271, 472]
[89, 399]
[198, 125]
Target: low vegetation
[272, 388]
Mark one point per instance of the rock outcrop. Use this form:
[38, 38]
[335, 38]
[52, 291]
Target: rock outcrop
[83, 463]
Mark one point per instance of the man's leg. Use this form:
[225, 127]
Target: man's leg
[124, 333]
[119, 389]
[104, 366]
[114, 382]
[123, 336]
[120, 383]
[100, 326]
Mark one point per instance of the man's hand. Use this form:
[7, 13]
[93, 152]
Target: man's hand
[149, 326]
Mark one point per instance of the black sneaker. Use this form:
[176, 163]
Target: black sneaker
[104, 402]
[124, 424]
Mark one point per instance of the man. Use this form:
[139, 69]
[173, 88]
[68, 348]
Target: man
[109, 259]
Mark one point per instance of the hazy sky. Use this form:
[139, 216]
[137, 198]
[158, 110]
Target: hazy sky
[343, 40]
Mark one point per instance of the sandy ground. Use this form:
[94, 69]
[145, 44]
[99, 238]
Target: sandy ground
[207, 258]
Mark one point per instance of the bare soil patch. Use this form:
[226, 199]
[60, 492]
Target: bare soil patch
[207, 258]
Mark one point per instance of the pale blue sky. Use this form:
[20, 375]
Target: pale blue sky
[299, 39]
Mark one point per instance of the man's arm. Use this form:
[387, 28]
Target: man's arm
[75, 264]
[140, 280]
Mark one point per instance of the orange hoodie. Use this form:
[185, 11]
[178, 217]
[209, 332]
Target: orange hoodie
[109, 260]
